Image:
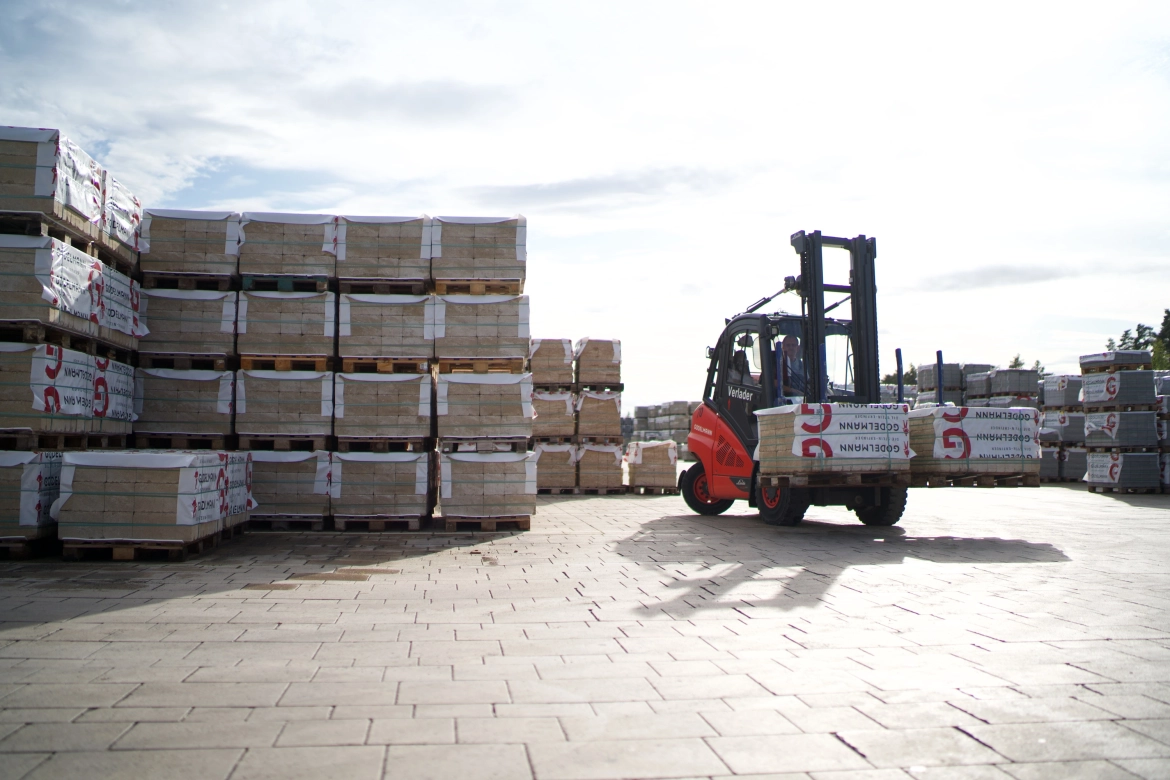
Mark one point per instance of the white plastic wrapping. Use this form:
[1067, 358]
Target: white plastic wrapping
[113, 390]
[436, 233]
[978, 433]
[326, 299]
[122, 213]
[634, 455]
[224, 395]
[524, 380]
[420, 460]
[344, 313]
[848, 430]
[326, 378]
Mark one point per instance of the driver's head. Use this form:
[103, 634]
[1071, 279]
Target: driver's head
[790, 346]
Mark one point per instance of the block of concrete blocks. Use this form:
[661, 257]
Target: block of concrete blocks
[599, 466]
[284, 403]
[205, 243]
[386, 405]
[1123, 470]
[1115, 359]
[598, 362]
[479, 248]
[148, 495]
[1062, 392]
[599, 414]
[653, 464]
[190, 322]
[291, 484]
[43, 171]
[1121, 429]
[392, 326]
[484, 405]
[1067, 427]
[481, 326]
[555, 414]
[556, 466]
[173, 401]
[51, 282]
[927, 398]
[978, 384]
[379, 484]
[551, 362]
[121, 219]
[286, 323]
[963, 440]
[1119, 388]
[1013, 381]
[497, 484]
[1051, 457]
[384, 248]
[277, 244]
[952, 376]
[834, 437]
[46, 388]
[29, 484]
[114, 409]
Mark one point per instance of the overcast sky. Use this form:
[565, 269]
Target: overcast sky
[1012, 159]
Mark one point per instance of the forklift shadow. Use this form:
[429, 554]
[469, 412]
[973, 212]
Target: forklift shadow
[715, 564]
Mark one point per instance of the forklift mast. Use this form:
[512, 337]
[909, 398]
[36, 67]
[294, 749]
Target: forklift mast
[862, 296]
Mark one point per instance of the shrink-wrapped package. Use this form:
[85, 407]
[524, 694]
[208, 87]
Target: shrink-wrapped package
[805, 438]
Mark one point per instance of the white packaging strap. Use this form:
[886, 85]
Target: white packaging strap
[441, 396]
[338, 397]
[526, 397]
[241, 398]
[566, 397]
[67, 472]
[242, 315]
[533, 346]
[445, 474]
[617, 351]
[424, 398]
[420, 477]
[233, 237]
[522, 325]
[435, 319]
[327, 396]
[227, 316]
[615, 450]
[530, 477]
[343, 323]
[223, 403]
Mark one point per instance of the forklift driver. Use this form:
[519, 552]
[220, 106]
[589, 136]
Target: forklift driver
[790, 367]
[741, 373]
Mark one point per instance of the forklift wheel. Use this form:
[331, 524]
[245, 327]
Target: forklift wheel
[780, 505]
[693, 483]
[889, 512]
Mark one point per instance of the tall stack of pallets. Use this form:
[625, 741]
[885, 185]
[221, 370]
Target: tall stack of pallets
[1121, 422]
[1062, 435]
[598, 375]
[554, 425]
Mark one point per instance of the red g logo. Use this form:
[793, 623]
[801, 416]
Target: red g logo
[51, 371]
[808, 445]
[101, 397]
[825, 410]
[955, 441]
[1111, 386]
[957, 415]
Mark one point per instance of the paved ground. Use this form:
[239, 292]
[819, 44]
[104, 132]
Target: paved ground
[997, 634]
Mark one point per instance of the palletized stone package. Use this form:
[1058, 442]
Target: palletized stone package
[556, 465]
[151, 495]
[551, 362]
[286, 323]
[400, 326]
[284, 403]
[500, 484]
[287, 244]
[484, 405]
[1014, 381]
[174, 401]
[292, 483]
[43, 171]
[1124, 469]
[121, 217]
[1120, 388]
[927, 397]
[653, 464]
[486, 248]
[397, 248]
[599, 414]
[481, 326]
[379, 484]
[392, 405]
[29, 484]
[1074, 462]
[189, 242]
[191, 322]
[1063, 427]
[805, 438]
[966, 440]
[1051, 462]
[952, 376]
[50, 389]
[599, 466]
[1062, 392]
[598, 362]
[1121, 429]
[1103, 361]
[554, 414]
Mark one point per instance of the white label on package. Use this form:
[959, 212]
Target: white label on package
[202, 493]
[224, 401]
[62, 381]
[239, 483]
[1096, 388]
[113, 390]
[1105, 422]
[848, 431]
[987, 434]
[65, 275]
[1105, 467]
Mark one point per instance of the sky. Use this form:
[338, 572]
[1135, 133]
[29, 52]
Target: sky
[1012, 159]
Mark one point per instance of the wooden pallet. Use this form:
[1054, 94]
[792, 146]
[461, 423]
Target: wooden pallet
[71, 229]
[839, 479]
[287, 523]
[1126, 490]
[653, 491]
[1059, 480]
[479, 286]
[554, 388]
[1096, 409]
[132, 550]
[183, 441]
[34, 332]
[156, 280]
[514, 523]
[558, 491]
[974, 480]
[372, 365]
[382, 286]
[602, 491]
[273, 283]
[598, 387]
[186, 362]
[1116, 368]
[292, 443]
[106, 441]
[286, 362]
[570, 439]
[24, 549]
[375, 524]
[36, 440]
[1119, 450]
[483, 443]
[604, 441]
[380, 444]
[482, 365]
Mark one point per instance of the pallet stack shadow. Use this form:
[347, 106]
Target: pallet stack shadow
[1062, 430]
[479, 326]
[1121, 422]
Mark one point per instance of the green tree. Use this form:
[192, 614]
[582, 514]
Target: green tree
[1016, 362]
[909, 376]
[1039, 369]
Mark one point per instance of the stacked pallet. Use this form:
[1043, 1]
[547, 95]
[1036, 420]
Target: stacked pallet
[666, 422]
[929, 391]
[1062, 430]
[1121, 432]
[653, 467]
[975, 446]
[811, 439]
[597, 366]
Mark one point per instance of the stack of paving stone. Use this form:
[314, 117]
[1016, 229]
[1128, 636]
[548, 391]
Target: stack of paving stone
[889, 394]
[597, 366]
[1062, 429]
[844, 438]
[653, 467]
[1014, 388]
[974, 395]
[1121, 432]
[669, 421]
[928, 385]
[978, 446]
[554, 424]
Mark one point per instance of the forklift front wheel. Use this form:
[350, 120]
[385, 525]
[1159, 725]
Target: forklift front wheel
[778, 505]
[889, 511]
[697, 494]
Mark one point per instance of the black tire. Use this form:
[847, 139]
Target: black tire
[693, 483]
[781, 505]
[889, 512]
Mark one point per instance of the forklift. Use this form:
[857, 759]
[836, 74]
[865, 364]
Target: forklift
[766, 360]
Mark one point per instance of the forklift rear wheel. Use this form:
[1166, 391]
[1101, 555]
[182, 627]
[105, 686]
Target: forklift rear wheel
[781, 505]
[697, 493]
[889, 511]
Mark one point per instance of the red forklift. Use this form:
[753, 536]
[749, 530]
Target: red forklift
[766, 360]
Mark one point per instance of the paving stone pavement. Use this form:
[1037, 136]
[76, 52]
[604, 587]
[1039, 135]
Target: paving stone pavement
[1006, 633]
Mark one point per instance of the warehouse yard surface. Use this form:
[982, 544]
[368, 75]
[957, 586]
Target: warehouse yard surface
[1005, 633]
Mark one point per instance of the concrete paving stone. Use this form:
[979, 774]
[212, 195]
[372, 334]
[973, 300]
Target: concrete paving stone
[750, 723]
[609, 708]
[651, 726]
[289, 714]
[467, 762]
[18, 765]
[973, 772]
[918, 747]
[65, 695]
[40, 715]
[1070, 770]
[309, 763]
[595, 670]
[453, 692]
[612, 760]
[243, 673]
[862, 774]
[1147, 768]
[474, 671]
[363, 711]
[1032, 710]
[416, 731]
[321, 732]
[586, 690]
[1158, 728]
[1071, 741]
[176, 764]
[330, 674]
[502, 731]
[337, 693]
[47, 648]
[1128, 706]
[134, 715]
[786, 753]
[455, 710]
[199, 734]
[205, 695]
[819, 720]
[144, 674]
[555, 710]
